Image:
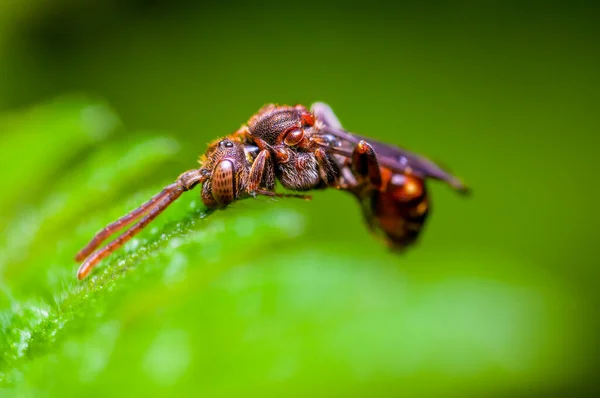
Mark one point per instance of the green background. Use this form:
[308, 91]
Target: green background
[103, 103]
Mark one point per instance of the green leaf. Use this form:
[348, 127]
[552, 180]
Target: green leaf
[261, 299]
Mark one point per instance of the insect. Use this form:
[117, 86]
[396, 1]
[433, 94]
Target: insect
[304, 150]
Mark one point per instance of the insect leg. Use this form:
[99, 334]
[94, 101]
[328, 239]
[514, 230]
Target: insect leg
[283, 195]
[365, 163]
[327, 168]
[262, 173]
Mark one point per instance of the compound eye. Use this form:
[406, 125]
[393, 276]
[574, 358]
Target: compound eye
[223, 183]
[293, 137]
[226, 144]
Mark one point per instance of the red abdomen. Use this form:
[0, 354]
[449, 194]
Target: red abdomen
[399, 209]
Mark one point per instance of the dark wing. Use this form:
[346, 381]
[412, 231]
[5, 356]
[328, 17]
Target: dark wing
[395, 158]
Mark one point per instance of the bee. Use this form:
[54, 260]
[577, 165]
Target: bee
[303, 150]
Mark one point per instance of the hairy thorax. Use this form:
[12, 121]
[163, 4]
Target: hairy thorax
[300, 172]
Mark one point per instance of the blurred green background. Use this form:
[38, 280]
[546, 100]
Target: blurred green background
[104, 102]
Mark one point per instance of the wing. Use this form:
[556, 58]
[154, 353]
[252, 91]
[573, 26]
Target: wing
[395, 158]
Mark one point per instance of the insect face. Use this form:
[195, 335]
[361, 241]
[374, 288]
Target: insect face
[227, 168]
